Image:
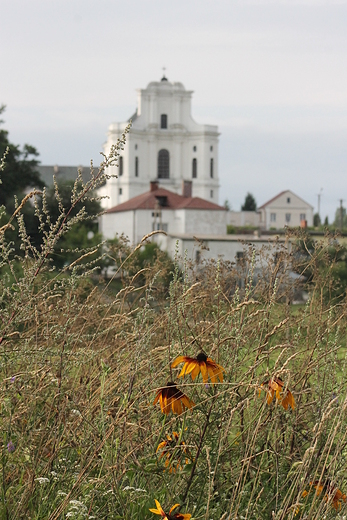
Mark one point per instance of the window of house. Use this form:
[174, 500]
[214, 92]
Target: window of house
[136, 166]
[163, 121]
[288, 218]
[163, 164]
[194, 148]
[120, 191]
[211, 148]
[272, 217]
[194, 168]
[302, 216]
[157, 226]
[197, 256]
[211, 194]
[211, 168]
[288, 200]
[120, 166]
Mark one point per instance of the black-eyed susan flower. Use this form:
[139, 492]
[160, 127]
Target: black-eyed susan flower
[169, 516]
[171, 398]
[331, 491]
[275, 388]
[167, 449]
[201, 363]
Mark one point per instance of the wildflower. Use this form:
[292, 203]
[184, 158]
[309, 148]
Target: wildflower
[275, 388]
[167, 449]
[331, 491]
[202, 364]
[170, 397]
[169, 516]
[10, 447]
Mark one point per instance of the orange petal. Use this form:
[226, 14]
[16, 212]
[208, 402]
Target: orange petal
[204, 373]
[191, 364]
[178, 360]
[195, 372]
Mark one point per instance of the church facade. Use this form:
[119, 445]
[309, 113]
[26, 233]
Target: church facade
[164, 145]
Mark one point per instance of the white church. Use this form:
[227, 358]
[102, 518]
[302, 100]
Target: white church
[167, 175]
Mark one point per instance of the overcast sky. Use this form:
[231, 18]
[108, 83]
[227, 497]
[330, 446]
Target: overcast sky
[272, 74]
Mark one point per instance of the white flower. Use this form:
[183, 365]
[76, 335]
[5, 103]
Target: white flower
[42, 480]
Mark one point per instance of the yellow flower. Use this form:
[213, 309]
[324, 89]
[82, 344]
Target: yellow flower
[331, 491]
[201, 363]
[167, 449]
[275, 388]
[169, 516]
[171, 398]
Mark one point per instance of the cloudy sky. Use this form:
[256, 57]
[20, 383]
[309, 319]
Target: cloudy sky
[272, 74]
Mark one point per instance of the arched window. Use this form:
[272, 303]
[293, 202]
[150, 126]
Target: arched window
[211, 168]
[136, 166]
[120, 166]
[163, 164]
[163, 121]
[194, 168]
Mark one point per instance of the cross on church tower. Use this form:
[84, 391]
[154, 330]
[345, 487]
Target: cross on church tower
[164, 78]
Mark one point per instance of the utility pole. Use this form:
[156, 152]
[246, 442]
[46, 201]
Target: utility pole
[319, 196]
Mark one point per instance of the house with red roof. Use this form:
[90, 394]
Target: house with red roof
[161, 209]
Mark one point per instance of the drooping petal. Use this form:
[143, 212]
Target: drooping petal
[195, 372]
[190, 366]
[179, 360]
[204, 373]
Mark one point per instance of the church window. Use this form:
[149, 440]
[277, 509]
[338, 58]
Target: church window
[211, 148]
[135, 146]
[211, 194]
[211, 168]
[136, 166]
[120, 166]
[163, 121]
[194, 148]
[163, 164]
[195, 168]
[120, 191]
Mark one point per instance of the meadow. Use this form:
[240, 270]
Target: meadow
[98, 419]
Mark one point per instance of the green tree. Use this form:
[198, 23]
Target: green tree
[19, 172]
[340, 218]
[316, 220]
[249, 204]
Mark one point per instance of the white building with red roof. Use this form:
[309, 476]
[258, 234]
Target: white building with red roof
[165, 145]
[162, 209]
[286, 209]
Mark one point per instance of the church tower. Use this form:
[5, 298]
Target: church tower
[165, 145]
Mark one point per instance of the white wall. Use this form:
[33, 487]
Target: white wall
[182, 134]
[243, 218]
[281, 207]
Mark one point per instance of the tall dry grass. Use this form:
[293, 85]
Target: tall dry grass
[81, 365]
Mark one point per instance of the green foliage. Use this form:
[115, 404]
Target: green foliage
[80, 366]
[316, 220]
[249, 204]
[340, 221]
[19, 172]
[231, 230]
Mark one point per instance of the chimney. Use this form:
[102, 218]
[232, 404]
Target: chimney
[187, 188]
[154, 185]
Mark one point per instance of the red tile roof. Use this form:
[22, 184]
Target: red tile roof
[149, 200]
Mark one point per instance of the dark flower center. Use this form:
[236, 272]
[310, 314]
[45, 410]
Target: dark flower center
[201, 357]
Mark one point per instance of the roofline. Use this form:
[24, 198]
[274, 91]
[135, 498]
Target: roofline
[281, 193]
